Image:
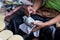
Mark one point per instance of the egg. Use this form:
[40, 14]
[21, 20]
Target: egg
[2, 25]
[16, 37]
[1, 39]
[6, 34]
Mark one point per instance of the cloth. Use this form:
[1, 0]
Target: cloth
[54, 4]
[53, 31]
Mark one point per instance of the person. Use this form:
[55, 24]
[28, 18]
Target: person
[38, 4]
[49, 4]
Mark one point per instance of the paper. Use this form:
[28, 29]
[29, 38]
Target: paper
[28, 30]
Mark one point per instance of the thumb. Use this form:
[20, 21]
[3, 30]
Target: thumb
[30, 12]
[35, 23]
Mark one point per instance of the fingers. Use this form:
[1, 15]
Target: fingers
[34, 11]
[35, 29]
[34, 23]
[30, 10]
[37, 23]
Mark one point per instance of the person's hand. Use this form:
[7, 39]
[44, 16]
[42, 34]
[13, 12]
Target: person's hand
[39, 25]
[30, 10]
[7, 13]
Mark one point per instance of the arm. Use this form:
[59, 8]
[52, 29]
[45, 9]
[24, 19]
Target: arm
[35, 7]
[37, 4]
[15, 10]
[46, 24]
[52, 21]
[11, 12]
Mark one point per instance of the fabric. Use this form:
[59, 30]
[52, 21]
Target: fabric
[57, 34]
[47, 33]
[54, 4]
[17, 20]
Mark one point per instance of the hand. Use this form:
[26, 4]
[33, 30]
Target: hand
[30, 10]
[39, 25]
[7, 14]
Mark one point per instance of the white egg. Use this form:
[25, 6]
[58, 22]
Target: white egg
[1, 39]
[16, 37]
[6, 34]
[2, 24]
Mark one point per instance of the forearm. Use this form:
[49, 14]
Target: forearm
[15, 10]
[12, 11]
[37, 4]
[52, 21]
